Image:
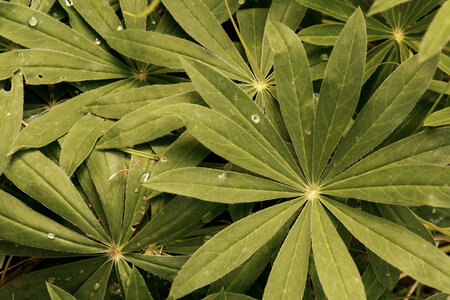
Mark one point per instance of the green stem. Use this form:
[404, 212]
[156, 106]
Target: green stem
[2, 280]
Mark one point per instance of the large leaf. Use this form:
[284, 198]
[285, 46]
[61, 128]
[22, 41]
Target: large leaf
[11, 106]
[337, 272]
[137, 289]
[57, 293]
[231, 247]
[382, 5]
[106, 169]
[294, 90]
[225, 97]
[80, 141]
[22, 225]
[384, 111]
[438, 118]
[40, 66]
[219, 186]
[95, 287]
[340, 89]
[437, 35]
[288, 276]
[398, 246]
[165, 50]
[119, 104]
[133, 7]
[413, 185]
[226, 138]
[198, 21]
[60, 119]
[42, 179]
[163, 266]
[143, 125]
[48, 33]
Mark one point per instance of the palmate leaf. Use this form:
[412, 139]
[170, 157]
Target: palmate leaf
[337, 272]
[220, 186]
[11, 106]
[340, 91]
[396, 245]
[95, 287]
[163, 266]
[218, 256]
[382, 5]
[137, 288]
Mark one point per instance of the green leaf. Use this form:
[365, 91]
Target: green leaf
[136, 196]
[177, 218]
[11, 106]
[386, 274]
[288, 276]
[80, 141]
[287, 12]
[50, 34]
[22, 225]
[231, 247]
[227, 139]
[373, 288]
[165, 50]
[375, 58]
[100, 15]
[437, 34]
[60, 119]
[143, 125]
[133, 7]
[427, 147]
[230, 296]
[340, 90]
[218, 8]
[438, 118]
[382, 5]
[40, 66]
[119, 104]
[57, 293]
[137, 289]
[441, 87]
[412, 185]
[163, 266]
[106, 169]
[397, 245]
[219, 186]
[294, 90]
[198, 21]
[95, 287]
[42, 179]
[225, 97]
[69, 277]
[384, 111]
[42, 5]
[337, 271]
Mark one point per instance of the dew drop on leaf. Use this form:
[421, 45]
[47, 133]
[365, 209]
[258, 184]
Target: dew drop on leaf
[241, 2]
[96, 286]
[207, 237]
[307, 131]
[255, 118]
[51, 235]
[153, 21]
[119, 28]
[206, 218]
[136, 190]
[144, 178]
[163, 159]
[97, 41]
[222, 176]
[51, 280]
[324, 56]
[8, 114]
[32, 21]
[69, 3]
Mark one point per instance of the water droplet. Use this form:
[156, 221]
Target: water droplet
[51, 235]
[255, 118]
[96, 286]
[307, 131]
[241, 2]
[206, 218]
[68, 278]
[143, 212]
[69, 3]
[20, 54]
[32, 21]
[222, 176]
[207, 237]
[81, 271]
[55, 15]
[144, 178]
[433, 211]
[163, 159]
[324, 56]
[136, 190]
[51, 280]
[8, 114]
[119, 28]
[97, 41]
[153, 21]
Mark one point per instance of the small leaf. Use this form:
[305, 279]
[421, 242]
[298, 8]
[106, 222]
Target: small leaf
[337, 271]
[289, 272]
[57, 293]
[438, 118]
[163, 266]
[137, 289]
[382, 5]
[340, 90]
[231, 247]
[437, 34]
[397, 245]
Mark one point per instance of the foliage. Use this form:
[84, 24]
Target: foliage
[166, 150]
